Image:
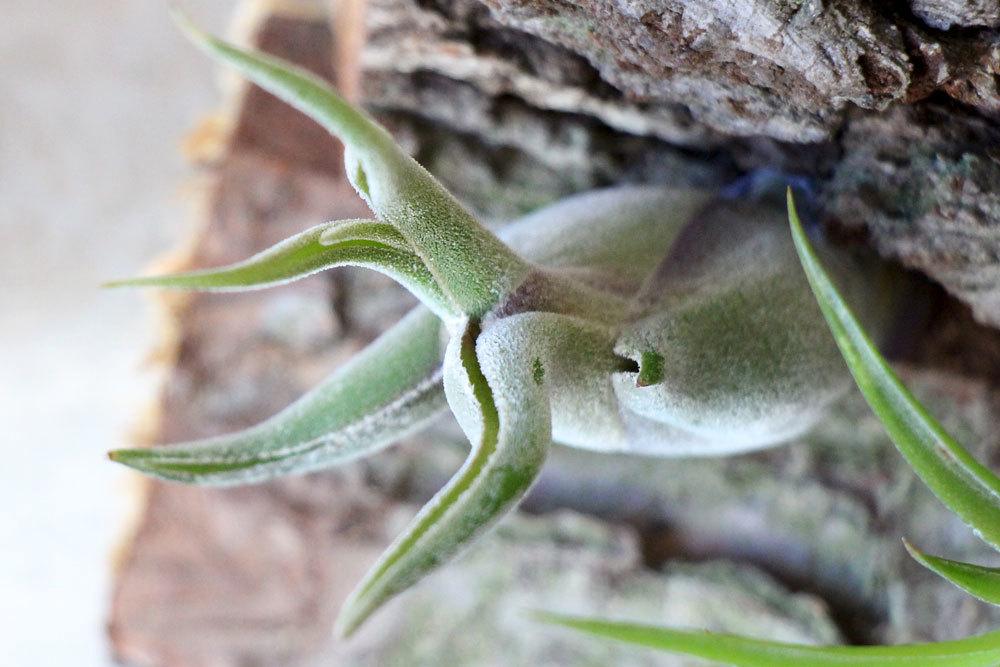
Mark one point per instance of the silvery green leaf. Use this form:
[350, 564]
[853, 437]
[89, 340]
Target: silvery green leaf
[388, 390]
[976, 580]
[980, 651]
[365, 243]
[472, 267]
[502, 406]
[964, 485]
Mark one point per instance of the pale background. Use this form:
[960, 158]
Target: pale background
[95, 98]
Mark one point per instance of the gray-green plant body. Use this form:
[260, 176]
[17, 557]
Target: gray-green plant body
[638, 320]
[963, 484]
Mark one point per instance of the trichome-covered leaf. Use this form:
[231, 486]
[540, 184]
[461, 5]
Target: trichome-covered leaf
[365, 243]
[390, 389]
[727, 339]
[296, 440]
[473, 268]
[504, 411]
[613, 236]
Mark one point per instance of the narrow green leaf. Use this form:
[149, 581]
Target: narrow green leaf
[388, 390]
[365, 243]
[980, 651]
[472, 266]
[505, 413]
[964, 485]
[976, 580]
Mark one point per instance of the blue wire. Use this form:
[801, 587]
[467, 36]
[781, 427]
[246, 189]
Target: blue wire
[771, 183]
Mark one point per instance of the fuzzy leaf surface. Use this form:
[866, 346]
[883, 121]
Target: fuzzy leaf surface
[471, 265]
[963, 484]
[365, 243]
[980, 651]
[730, 345]
[505, 413]
[295, 440]
[618, 235]
[391, 388]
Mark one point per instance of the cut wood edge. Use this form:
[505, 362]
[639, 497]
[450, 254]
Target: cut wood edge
[206, 145]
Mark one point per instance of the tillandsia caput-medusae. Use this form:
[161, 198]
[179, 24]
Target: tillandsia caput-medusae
[652, 321]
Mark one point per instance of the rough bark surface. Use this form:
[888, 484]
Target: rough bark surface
[927, 186]
[513, 104]
[859, 96]
[693, 71]
[945, 14]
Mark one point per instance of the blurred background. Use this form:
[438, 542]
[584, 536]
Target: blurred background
[96, 98]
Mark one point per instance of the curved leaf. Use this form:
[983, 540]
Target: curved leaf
[472, 266]
[365, 243]
[963, 484]
[620, 231]
[980, 651]
[505, 412]
[976, 580]
[390, 389]
[282, 445]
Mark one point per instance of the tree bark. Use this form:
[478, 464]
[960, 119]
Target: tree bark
[896, 120]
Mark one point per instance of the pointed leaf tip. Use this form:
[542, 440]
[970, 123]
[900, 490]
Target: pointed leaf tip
[183, 21]
[471, 265]
[506, 416]
[389, 389]
[961, 483]
[365, 243]
[976, 580]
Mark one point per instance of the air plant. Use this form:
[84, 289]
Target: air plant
[964, 485]
[636, 320]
